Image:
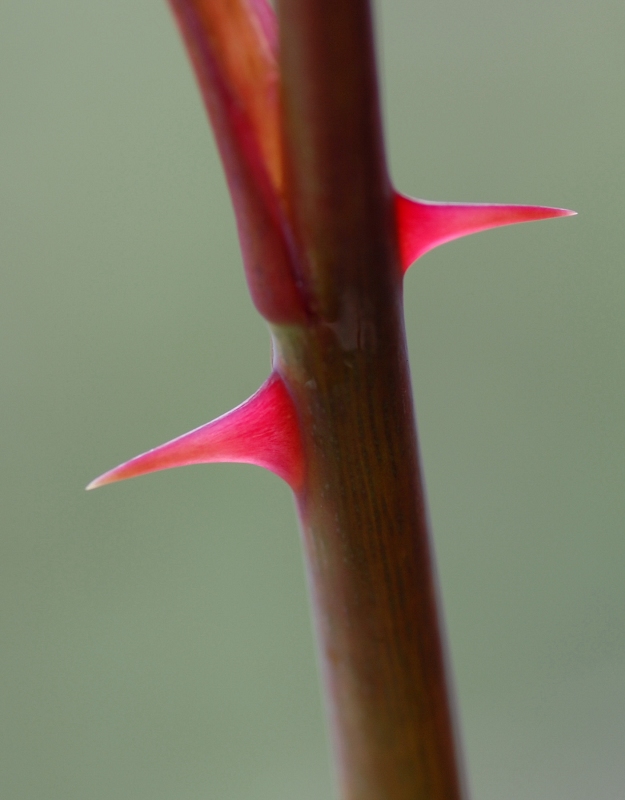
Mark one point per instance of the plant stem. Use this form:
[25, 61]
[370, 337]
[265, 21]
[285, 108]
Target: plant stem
[362, 509]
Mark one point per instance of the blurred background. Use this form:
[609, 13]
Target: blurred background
[155, 635]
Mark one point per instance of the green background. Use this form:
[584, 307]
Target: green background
[155, 637]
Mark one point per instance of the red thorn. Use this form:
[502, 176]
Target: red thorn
[424, 225]
[263, 431]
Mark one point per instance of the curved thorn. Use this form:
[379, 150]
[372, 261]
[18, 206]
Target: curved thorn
[423, 224]
[263, 431]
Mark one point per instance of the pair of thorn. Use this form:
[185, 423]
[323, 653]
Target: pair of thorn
[265, 430]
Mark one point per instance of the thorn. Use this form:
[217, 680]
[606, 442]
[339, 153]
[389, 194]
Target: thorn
[263, 431]
[424, 225]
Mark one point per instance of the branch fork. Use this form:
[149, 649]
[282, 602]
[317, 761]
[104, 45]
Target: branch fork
[326, 241]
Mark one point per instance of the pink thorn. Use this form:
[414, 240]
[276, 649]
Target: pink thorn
[424, 225]
[263, 431]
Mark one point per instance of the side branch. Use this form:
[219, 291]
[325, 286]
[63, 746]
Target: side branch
[232, 46]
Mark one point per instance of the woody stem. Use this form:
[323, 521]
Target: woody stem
[362, 508]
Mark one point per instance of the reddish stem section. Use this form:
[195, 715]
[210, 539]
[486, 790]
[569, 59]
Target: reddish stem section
[338, 194]
[232, 48]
